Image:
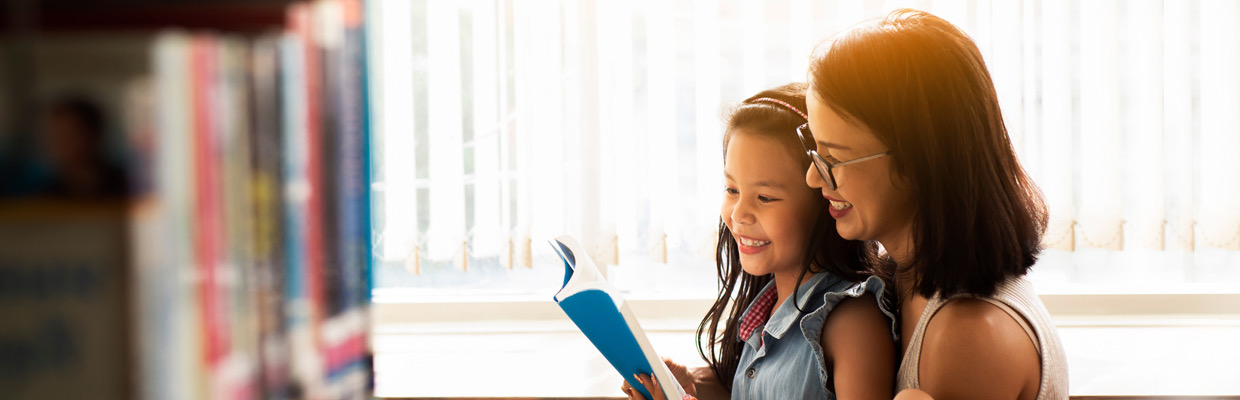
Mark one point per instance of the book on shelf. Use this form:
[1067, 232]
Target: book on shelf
[601, 313]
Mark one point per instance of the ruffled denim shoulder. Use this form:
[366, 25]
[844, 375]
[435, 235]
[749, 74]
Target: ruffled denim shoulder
[811, 324]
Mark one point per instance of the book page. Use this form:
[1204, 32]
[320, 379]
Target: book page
[584, 274]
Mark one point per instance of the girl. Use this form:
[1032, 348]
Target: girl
[801, 318]
[910, 148]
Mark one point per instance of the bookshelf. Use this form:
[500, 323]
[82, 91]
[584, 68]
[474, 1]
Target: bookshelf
[183, 202]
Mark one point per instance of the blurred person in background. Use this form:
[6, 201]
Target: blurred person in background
[73, 136]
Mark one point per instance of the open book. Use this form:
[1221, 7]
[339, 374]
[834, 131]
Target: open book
[604, 317]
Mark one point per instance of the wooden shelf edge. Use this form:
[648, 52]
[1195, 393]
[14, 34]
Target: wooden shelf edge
[222, 17]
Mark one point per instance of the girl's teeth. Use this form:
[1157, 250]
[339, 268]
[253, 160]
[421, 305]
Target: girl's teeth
[840, 205]
[754, 243]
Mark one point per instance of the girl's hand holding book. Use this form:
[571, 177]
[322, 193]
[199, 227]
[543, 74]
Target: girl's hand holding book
[652, 386]
[681, 373]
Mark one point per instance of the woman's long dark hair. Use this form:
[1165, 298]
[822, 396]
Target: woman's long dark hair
[920, 85]
[826, 250]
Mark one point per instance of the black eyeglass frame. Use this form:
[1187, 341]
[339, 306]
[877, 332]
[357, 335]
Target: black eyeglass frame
[826, 169]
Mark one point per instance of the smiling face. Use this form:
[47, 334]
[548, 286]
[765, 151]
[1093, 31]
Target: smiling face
[869, 202]
[766, 205]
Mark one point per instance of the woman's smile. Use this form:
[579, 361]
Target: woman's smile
[839, 208]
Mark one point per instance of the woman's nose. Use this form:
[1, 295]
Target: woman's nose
[812, 178]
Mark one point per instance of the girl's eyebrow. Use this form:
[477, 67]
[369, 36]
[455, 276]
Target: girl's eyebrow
[770, 184]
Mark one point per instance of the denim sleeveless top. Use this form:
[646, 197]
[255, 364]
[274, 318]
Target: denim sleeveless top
[784, 359]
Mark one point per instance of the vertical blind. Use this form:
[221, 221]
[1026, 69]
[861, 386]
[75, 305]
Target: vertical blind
[502, 122]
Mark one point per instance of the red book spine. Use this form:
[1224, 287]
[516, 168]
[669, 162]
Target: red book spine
[208, 216]
[303, 24]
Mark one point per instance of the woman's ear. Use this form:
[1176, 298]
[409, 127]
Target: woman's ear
[904, 184]
[898, 179]
[901, 182]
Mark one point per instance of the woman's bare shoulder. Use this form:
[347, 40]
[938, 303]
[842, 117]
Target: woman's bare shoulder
[974, 349]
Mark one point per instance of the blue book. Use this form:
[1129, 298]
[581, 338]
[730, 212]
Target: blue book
[602, 315]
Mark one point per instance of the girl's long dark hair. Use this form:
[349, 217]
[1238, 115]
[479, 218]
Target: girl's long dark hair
[826, 250]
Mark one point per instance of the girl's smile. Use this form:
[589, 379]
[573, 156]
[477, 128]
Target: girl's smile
[750, 246]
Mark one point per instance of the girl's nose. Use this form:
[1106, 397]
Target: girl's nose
[742, 212]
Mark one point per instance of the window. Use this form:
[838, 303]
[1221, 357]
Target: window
[501, 123]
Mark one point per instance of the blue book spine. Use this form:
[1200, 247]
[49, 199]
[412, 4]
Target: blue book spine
[367, 162]
[596, 315]
[296, 183]
[357, 39]
[353, 216]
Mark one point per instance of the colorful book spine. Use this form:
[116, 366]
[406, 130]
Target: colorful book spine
[348, 361]
[177, 355]
[299, 246]
[305, 28]
[267, 184]
[209, 218]
[237, 374]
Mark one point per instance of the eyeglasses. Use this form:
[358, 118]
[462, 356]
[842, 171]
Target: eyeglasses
[825, 169]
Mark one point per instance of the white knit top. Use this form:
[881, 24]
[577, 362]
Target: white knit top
[1015, 296]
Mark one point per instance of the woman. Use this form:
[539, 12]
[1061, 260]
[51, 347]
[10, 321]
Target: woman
[910, 148]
